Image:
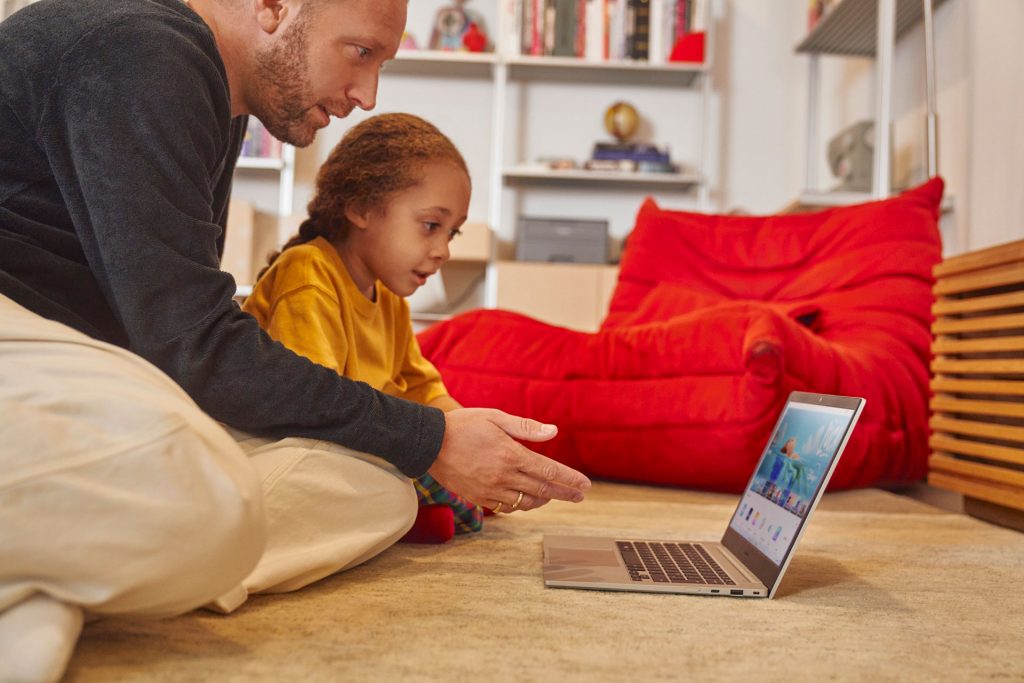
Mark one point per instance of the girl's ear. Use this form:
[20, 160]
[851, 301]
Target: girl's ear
[357, 216]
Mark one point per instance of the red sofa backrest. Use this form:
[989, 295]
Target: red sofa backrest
[829, 268]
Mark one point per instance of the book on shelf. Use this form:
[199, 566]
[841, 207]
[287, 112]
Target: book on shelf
[639, 30]
[258, 143]
[566, 24]
[601, 30]
[606, 151]
[630, 166]
[630, 156]
[511, 26]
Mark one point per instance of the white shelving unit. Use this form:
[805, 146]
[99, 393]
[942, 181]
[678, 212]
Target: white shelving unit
[868, 28]
[503, 73]
[526, 174]
[283, 168]
[270, 189]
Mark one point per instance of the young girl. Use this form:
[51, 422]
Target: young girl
[389, 199]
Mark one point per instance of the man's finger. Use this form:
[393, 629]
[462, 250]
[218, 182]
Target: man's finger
[543, 469]
[546, 489]
[524, 427]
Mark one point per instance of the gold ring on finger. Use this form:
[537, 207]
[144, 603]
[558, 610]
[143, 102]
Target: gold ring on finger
[497, 508]
[515, 505]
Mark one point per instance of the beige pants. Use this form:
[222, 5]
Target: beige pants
[118, 495]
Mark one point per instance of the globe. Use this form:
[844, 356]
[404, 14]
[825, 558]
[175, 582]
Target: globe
[621, 120]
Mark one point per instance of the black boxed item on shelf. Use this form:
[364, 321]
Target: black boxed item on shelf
[564, 240]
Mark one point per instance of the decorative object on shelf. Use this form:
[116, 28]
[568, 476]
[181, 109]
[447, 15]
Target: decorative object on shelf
[816, 11]
[558, 163]
[688, 48]
[408, 42]
[451, 26]
[851, 156]
[474, 40]
[450, 23]
[621, 120]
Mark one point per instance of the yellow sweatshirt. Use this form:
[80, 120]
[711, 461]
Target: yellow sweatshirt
[308, 301]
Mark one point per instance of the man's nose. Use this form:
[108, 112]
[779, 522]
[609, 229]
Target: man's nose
[363, 93]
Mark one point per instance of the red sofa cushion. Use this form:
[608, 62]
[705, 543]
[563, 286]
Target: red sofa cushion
[714, 320]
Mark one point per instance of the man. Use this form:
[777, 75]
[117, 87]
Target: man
[122, 353]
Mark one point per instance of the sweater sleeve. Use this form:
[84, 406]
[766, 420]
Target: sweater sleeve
[423, 382]
[308, 321]
[137, 131]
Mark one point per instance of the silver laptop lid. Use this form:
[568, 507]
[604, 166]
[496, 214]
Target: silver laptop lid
[789, 479]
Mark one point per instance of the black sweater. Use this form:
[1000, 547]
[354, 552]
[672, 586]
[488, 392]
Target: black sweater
[117, 148]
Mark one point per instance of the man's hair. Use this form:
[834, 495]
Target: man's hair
[375, 160]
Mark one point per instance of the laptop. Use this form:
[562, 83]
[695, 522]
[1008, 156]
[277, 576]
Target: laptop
[777, 503]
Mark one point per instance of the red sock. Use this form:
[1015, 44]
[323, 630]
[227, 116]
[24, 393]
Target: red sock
[434, 524]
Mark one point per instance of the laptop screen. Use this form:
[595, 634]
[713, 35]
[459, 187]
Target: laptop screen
[783, 490]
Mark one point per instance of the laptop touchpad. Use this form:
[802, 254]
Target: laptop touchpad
[589, 558]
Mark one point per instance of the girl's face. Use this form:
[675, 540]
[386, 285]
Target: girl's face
[407, 241]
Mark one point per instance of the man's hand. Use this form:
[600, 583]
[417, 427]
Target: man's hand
[481, 462]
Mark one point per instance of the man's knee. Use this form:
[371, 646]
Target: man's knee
[155, 526]
[363, 486]
[328, 509]
[212, 527]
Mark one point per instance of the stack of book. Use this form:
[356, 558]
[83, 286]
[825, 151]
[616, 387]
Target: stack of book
[630, 156]
[598, 30]
[258, 143]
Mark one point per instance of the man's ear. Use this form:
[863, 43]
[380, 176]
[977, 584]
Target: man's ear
[270, 14]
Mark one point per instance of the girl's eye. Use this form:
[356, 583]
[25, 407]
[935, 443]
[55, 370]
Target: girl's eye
[431, 227]
[452, 234]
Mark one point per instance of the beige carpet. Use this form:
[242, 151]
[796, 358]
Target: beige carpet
[882, 587]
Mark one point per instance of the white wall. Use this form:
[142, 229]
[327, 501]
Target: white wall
[995, 140]
[758, 117]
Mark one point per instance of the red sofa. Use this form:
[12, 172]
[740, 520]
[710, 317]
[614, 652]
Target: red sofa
[714, 320]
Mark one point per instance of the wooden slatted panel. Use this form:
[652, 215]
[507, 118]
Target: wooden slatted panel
[947, 345]
[946, 404]
[978, 386]
[978, 449]
[980, 280]
[949, 305]
[956, 385]
[941, 423]
[977, 367]
[989, 323]
[976, 470]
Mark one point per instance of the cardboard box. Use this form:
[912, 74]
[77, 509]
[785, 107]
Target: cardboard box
[251, 237]
[474, 244]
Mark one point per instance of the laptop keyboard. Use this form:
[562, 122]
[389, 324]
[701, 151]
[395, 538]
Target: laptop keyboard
[654, 562]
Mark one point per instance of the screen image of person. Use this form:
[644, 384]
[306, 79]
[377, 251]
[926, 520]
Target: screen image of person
[789, 475]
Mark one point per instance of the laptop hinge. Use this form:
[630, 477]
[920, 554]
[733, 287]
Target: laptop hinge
[740, 567]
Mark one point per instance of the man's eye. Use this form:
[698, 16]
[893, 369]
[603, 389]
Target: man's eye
[363, 52]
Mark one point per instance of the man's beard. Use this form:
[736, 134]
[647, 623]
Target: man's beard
[285, 95]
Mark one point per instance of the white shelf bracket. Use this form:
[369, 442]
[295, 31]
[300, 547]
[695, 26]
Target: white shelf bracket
[885, 43]
[932, 116]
